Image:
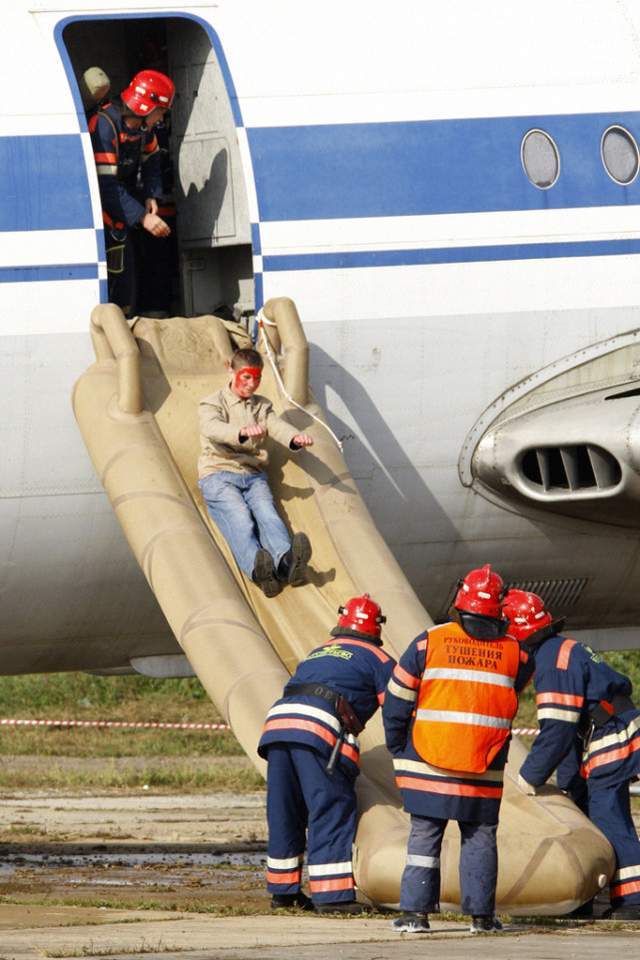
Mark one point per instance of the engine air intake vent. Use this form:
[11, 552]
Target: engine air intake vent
[582, 467]
[556, 594]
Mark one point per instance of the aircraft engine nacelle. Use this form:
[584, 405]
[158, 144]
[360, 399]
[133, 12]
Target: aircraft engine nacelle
[565, 440]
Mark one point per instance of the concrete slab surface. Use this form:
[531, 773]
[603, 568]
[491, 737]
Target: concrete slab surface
[127, 934]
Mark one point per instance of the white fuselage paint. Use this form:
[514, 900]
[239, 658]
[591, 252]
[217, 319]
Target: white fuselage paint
[405, 355]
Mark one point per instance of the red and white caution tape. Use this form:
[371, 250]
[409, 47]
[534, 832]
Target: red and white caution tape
[119, 724]
[139, 725]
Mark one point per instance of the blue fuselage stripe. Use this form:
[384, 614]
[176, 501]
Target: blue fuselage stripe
[340, 171]
[480, 254]
[67, 271]
[45, 184]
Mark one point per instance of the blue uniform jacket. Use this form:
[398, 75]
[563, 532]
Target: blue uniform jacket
[570, 680]
[120, 154]
[426, 790]
[354, 668]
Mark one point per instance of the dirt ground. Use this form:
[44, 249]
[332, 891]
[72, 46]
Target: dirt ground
[164, 875]
[200, 851]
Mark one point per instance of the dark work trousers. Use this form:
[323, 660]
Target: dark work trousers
[420, 887]
[301, 795]
[123, 264]
[610, 810]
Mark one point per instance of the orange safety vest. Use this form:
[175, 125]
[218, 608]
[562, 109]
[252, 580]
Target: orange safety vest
[467, 699]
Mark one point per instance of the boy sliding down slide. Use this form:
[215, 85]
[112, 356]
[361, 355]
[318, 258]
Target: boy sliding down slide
[234, 424]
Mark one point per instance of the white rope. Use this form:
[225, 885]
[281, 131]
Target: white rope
[262, 321]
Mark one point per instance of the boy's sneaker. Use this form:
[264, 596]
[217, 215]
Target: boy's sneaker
[485, 923]
[299, 557]
[411, 923]
[264, 576]
[289, 901]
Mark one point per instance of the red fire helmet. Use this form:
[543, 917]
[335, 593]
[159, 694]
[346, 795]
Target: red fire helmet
[480, 592]
[361, 614]
[148, 89]
[525, 612]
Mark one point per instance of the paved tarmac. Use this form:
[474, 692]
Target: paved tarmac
[28, 933]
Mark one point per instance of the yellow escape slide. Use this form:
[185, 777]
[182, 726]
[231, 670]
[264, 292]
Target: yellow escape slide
[137, 409]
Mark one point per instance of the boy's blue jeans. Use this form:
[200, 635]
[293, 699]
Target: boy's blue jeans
[241, 505]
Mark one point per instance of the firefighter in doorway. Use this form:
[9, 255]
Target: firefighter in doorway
[128, 163]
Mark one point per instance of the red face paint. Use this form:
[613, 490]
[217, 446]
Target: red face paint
[246, 380]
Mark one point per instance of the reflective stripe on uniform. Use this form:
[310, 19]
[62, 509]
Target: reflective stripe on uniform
[307, 710]
[330, 869]
[619, 738]
[287, 864]
[548, 713]
[624, 889]
[476, 676]
[562, 662]
[106, 169]
[328, 886]
[601, 759]
[458, 716]
[453, 789]
[292, 876]
[401, 692]
[309, 726]
[405, 677]
[416, 860]
[421, 766]
[371, 647]
[625, 872]
[565, 699]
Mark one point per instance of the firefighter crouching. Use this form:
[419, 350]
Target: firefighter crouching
[310, 742]
[447, 716]
[125, 146]
[583, 703]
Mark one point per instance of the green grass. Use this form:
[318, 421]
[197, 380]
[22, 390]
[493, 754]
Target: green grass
[112, 776]
[87, 697]
[78, 696]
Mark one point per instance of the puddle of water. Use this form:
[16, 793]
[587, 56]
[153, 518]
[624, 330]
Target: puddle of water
[241, 859]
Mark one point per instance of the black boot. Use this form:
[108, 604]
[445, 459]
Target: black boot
[626, 911]
[583, 912]
[264, 576]
[289, 901]
[342, 906]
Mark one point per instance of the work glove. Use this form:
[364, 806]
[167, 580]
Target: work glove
[526, 787]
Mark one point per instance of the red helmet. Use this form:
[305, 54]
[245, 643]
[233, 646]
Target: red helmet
[480, 592]
[148, 89]
[362, 615]
[525, 612]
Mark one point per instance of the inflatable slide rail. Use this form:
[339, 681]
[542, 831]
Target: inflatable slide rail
[136, 407]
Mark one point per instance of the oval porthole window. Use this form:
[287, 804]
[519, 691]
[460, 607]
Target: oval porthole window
[620, 155]
[540, 159]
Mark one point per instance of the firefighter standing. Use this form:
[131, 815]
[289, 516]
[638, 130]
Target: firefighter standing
[580, 696]
[447, 717]
[128, 164]
[310, 743]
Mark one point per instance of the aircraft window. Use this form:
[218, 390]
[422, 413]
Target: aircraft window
[540, 159]
[620, 156]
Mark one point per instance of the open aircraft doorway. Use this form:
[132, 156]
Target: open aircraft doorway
[208, 261]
